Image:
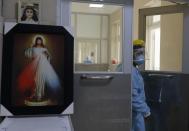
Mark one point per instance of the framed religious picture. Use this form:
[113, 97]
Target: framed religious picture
[37, 70]
[29, 11]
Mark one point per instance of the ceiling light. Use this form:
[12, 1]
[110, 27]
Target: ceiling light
[96, 5]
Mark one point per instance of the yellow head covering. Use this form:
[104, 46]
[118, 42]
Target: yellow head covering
[138, 42]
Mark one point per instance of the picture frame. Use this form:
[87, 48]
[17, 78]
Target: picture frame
[37, 70]
[29, 11]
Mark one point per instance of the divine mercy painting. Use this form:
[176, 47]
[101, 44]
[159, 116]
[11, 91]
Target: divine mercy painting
[37, 74]
[37, 70]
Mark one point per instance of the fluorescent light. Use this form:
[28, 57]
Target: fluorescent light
[96, 5]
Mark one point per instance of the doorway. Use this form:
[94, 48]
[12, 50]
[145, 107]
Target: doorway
[102, 74]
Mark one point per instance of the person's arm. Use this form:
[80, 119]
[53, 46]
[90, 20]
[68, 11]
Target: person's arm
[138, 102]
[138, 94]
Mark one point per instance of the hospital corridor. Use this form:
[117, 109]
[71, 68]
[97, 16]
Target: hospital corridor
[94, 65]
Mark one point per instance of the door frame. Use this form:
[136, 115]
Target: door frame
[143, 13]
[171, 9]
[64, 19]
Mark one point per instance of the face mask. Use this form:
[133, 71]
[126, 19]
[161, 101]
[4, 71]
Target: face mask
[139, 60]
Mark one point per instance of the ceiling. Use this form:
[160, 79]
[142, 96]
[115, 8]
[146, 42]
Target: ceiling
[178, 1]
[84, 8]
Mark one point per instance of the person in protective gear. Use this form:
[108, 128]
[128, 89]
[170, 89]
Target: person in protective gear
[140, 109]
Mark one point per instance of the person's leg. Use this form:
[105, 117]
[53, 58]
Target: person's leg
[138, 122]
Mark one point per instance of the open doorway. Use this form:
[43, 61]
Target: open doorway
[153, 37]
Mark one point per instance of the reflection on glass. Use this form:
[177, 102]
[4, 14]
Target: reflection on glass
[98, 37]
[163, 50]
[87, 51]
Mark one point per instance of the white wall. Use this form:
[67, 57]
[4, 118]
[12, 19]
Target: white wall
[171, 42]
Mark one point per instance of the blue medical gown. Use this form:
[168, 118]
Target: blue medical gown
[139, 106]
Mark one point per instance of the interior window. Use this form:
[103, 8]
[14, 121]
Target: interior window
[98, 37]
[163, 50]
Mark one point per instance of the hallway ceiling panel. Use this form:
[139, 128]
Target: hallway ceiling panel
[178, 1]
[84, 8]
[119, 2]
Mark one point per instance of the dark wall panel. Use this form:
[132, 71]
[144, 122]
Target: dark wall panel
[167, 96]
[102, 105]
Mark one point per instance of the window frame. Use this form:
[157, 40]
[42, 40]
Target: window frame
[64, 19]
[143, 13]
[126, 51]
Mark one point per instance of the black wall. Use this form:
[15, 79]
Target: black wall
[167, 94]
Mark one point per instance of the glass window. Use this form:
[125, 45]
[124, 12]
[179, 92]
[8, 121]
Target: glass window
[98, 37]
[88, 26]
[164, 41]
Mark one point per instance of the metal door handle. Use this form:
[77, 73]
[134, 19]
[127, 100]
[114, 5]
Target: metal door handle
[96, 77]
[163, 75]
